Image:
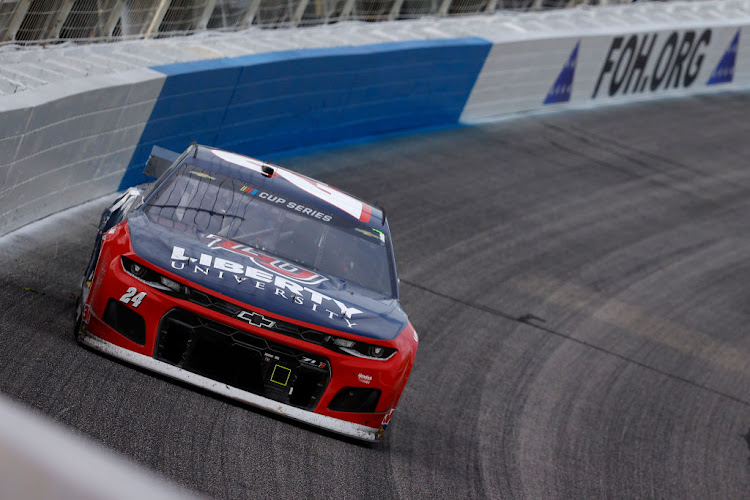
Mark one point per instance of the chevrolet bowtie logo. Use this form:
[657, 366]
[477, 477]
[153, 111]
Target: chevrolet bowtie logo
[256, 319]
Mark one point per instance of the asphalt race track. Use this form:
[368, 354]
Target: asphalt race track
[581, 286]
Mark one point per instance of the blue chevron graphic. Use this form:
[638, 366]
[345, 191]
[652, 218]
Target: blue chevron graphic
[563, 86]
[724, 72]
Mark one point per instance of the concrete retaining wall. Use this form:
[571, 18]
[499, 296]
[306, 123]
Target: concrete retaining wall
[41, 459]
[61, 145]
[286, 100]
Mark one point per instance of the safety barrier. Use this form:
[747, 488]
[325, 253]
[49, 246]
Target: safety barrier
[42, 459]
[62, 145]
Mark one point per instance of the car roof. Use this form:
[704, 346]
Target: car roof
[292, 186]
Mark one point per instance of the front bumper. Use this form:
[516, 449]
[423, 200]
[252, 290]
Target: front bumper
[351, 429]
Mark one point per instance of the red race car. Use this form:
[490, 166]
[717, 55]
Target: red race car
[256, 283]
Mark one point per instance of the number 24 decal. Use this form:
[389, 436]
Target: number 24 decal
[133, 297]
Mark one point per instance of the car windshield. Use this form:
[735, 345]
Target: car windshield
[230, 208]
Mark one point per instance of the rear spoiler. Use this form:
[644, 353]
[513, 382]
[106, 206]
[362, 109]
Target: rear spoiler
[159, 161]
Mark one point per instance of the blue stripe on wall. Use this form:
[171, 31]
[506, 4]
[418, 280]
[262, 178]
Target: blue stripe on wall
[267, 103]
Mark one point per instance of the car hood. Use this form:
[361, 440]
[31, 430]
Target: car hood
[264, 281]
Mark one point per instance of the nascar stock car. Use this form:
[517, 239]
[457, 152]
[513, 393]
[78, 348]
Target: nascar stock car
[256, 283]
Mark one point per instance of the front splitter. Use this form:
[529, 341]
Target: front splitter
[343, 427]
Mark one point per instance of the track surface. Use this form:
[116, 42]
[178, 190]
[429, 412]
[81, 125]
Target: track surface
[581, 286]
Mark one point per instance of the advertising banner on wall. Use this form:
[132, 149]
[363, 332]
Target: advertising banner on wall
[584, 71]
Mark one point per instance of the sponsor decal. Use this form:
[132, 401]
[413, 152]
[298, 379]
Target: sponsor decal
[651, 62]
[344, 202]
[272, 264]
[387, 418]
[280, 375]
[313, 362]
[563, 86]
[203, 175]
[276, 199]
[311, 212]
[724, 71]
[255, 319]
[365, 379]
[385, 422]
[271, 198]
[284, 279]
[372, 233]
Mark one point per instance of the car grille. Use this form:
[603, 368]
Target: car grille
[240, 359]
[278, 326]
